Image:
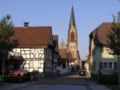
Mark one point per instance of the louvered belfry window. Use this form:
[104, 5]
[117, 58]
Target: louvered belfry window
[72, 37]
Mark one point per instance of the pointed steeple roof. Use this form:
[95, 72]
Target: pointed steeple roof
[62, 45]
[72, 19]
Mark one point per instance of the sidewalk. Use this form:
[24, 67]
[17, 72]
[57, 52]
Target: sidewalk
[98, 87]
[73, 80]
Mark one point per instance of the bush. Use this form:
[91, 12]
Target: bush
[77, 68]
[17, 79]
[108, 79]
[35, 72]
[34, 75]
[12, 79]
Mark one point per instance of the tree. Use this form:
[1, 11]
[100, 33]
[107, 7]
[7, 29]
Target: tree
[114, 40]
[6, 31]
[114, 36]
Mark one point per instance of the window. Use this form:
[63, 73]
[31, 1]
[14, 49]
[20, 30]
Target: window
[110, 65]
[72, 37]
[105, 64]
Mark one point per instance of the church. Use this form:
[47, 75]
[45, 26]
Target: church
[72, 54]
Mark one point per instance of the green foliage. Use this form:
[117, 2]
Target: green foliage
[114, 42]
[6, 28]
[35, 72]
[16, 79]
[109, 79]
[114, 36]
[77, 68]
[6, 31]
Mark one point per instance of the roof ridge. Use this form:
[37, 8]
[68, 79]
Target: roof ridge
[34, 27]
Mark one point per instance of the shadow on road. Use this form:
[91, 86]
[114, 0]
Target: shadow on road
[69, 79]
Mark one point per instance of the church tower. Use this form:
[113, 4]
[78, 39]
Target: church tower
[72, 43]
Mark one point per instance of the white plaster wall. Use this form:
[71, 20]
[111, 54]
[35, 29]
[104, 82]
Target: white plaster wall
[106, 53]
[101, 56]
[34, 57]
[96, 59]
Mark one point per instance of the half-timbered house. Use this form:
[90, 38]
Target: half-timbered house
[55, 53]
[35, 45]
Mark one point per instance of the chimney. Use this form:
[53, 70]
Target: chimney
[26, 24]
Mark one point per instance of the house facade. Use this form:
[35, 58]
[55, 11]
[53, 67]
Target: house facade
[35, 46]
[55, 53]
[101, 59]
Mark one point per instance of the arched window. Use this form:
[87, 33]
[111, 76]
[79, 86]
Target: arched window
[72, 37]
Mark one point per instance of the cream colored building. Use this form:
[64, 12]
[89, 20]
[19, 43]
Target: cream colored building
[101, 59]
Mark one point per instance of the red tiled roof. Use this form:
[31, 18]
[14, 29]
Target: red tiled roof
[100, 34]
[32, 37]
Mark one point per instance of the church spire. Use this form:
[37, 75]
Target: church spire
[72, 44]
[72, 19]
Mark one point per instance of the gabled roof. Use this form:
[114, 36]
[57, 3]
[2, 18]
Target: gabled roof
[31, 37]
[100, 34]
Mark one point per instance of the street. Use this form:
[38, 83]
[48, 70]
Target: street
[67, 82]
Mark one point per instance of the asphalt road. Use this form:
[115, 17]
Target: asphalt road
[70, 79]
[66, 82]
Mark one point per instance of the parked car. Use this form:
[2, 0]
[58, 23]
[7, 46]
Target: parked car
[18, 73]
[82, 72]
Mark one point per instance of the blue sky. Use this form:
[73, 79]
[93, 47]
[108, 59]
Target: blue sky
[56, 13]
